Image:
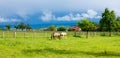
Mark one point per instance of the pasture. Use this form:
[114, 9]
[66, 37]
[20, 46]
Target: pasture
[38, 45]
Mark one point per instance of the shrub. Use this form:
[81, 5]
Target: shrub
[61, 28]
[52, 28]
[70, 29]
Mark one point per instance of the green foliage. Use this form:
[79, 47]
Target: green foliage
[69, 29]
[107, 21]
[52, 28]
[8, 26]
[28, 27]
[21, 26]
[61, 28]
[117, 25]
[16, 27]
[87, 25]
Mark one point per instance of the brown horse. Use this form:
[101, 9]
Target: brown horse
[56, 34]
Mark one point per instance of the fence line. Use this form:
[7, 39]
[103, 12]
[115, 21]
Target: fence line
[15, 34]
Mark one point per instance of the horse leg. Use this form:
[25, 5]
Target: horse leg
[59, 37]
[52, 37]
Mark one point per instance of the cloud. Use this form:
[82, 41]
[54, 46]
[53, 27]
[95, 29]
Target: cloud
[6, 20]
[49, 16]
[25, 8]
[3, 20]
[117, 12]
[22, 14]
[69, 17]
[90, 14]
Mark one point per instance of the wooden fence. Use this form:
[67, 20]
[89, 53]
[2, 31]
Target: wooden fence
[46, 34]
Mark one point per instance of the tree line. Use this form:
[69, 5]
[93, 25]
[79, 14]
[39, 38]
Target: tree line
[20, 26]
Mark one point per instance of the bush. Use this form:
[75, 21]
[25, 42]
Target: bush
[52, 28]
[70, 29]
[61, 28]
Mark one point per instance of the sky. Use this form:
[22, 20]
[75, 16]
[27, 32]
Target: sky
[38, 11]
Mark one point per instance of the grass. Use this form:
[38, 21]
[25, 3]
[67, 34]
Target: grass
[68, 47]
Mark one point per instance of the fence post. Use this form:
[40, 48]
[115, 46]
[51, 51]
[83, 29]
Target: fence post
[45, 34]
[15, 34]
[2, 34]
[34, 34]
[95, 33]
[24, 34]
[83, 33]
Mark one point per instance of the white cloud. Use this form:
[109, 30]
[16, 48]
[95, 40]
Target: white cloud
[48, 16]
[6, 20]
[3, 20]
[68, 17]
[90, 14]
[117, 11]
[64, 18]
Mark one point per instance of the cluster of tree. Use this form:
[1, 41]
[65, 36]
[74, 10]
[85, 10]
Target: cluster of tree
[108, 22]
[53, 28]
[21, 26]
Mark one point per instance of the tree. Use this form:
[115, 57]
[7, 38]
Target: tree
[86, 25]
[22, 26]
[61, 28]
[8, 26]
[28, 27]
[52, 28]
[16, 27]
[104, 20]
[117, 25]
[107, 21]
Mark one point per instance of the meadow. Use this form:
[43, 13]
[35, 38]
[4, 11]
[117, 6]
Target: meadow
[39, 45]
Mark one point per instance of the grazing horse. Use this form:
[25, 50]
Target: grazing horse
[56, 34]
[63, 33]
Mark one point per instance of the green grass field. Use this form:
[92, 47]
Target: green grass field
[68, 47]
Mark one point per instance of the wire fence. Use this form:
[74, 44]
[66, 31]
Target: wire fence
[47, 34]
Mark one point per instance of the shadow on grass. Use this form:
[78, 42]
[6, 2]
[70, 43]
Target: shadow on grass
[105, 53]
[78, 36]
[55, 51]
[31, 51]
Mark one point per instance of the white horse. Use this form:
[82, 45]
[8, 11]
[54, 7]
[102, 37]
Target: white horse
[63, 33]
[56, 34]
